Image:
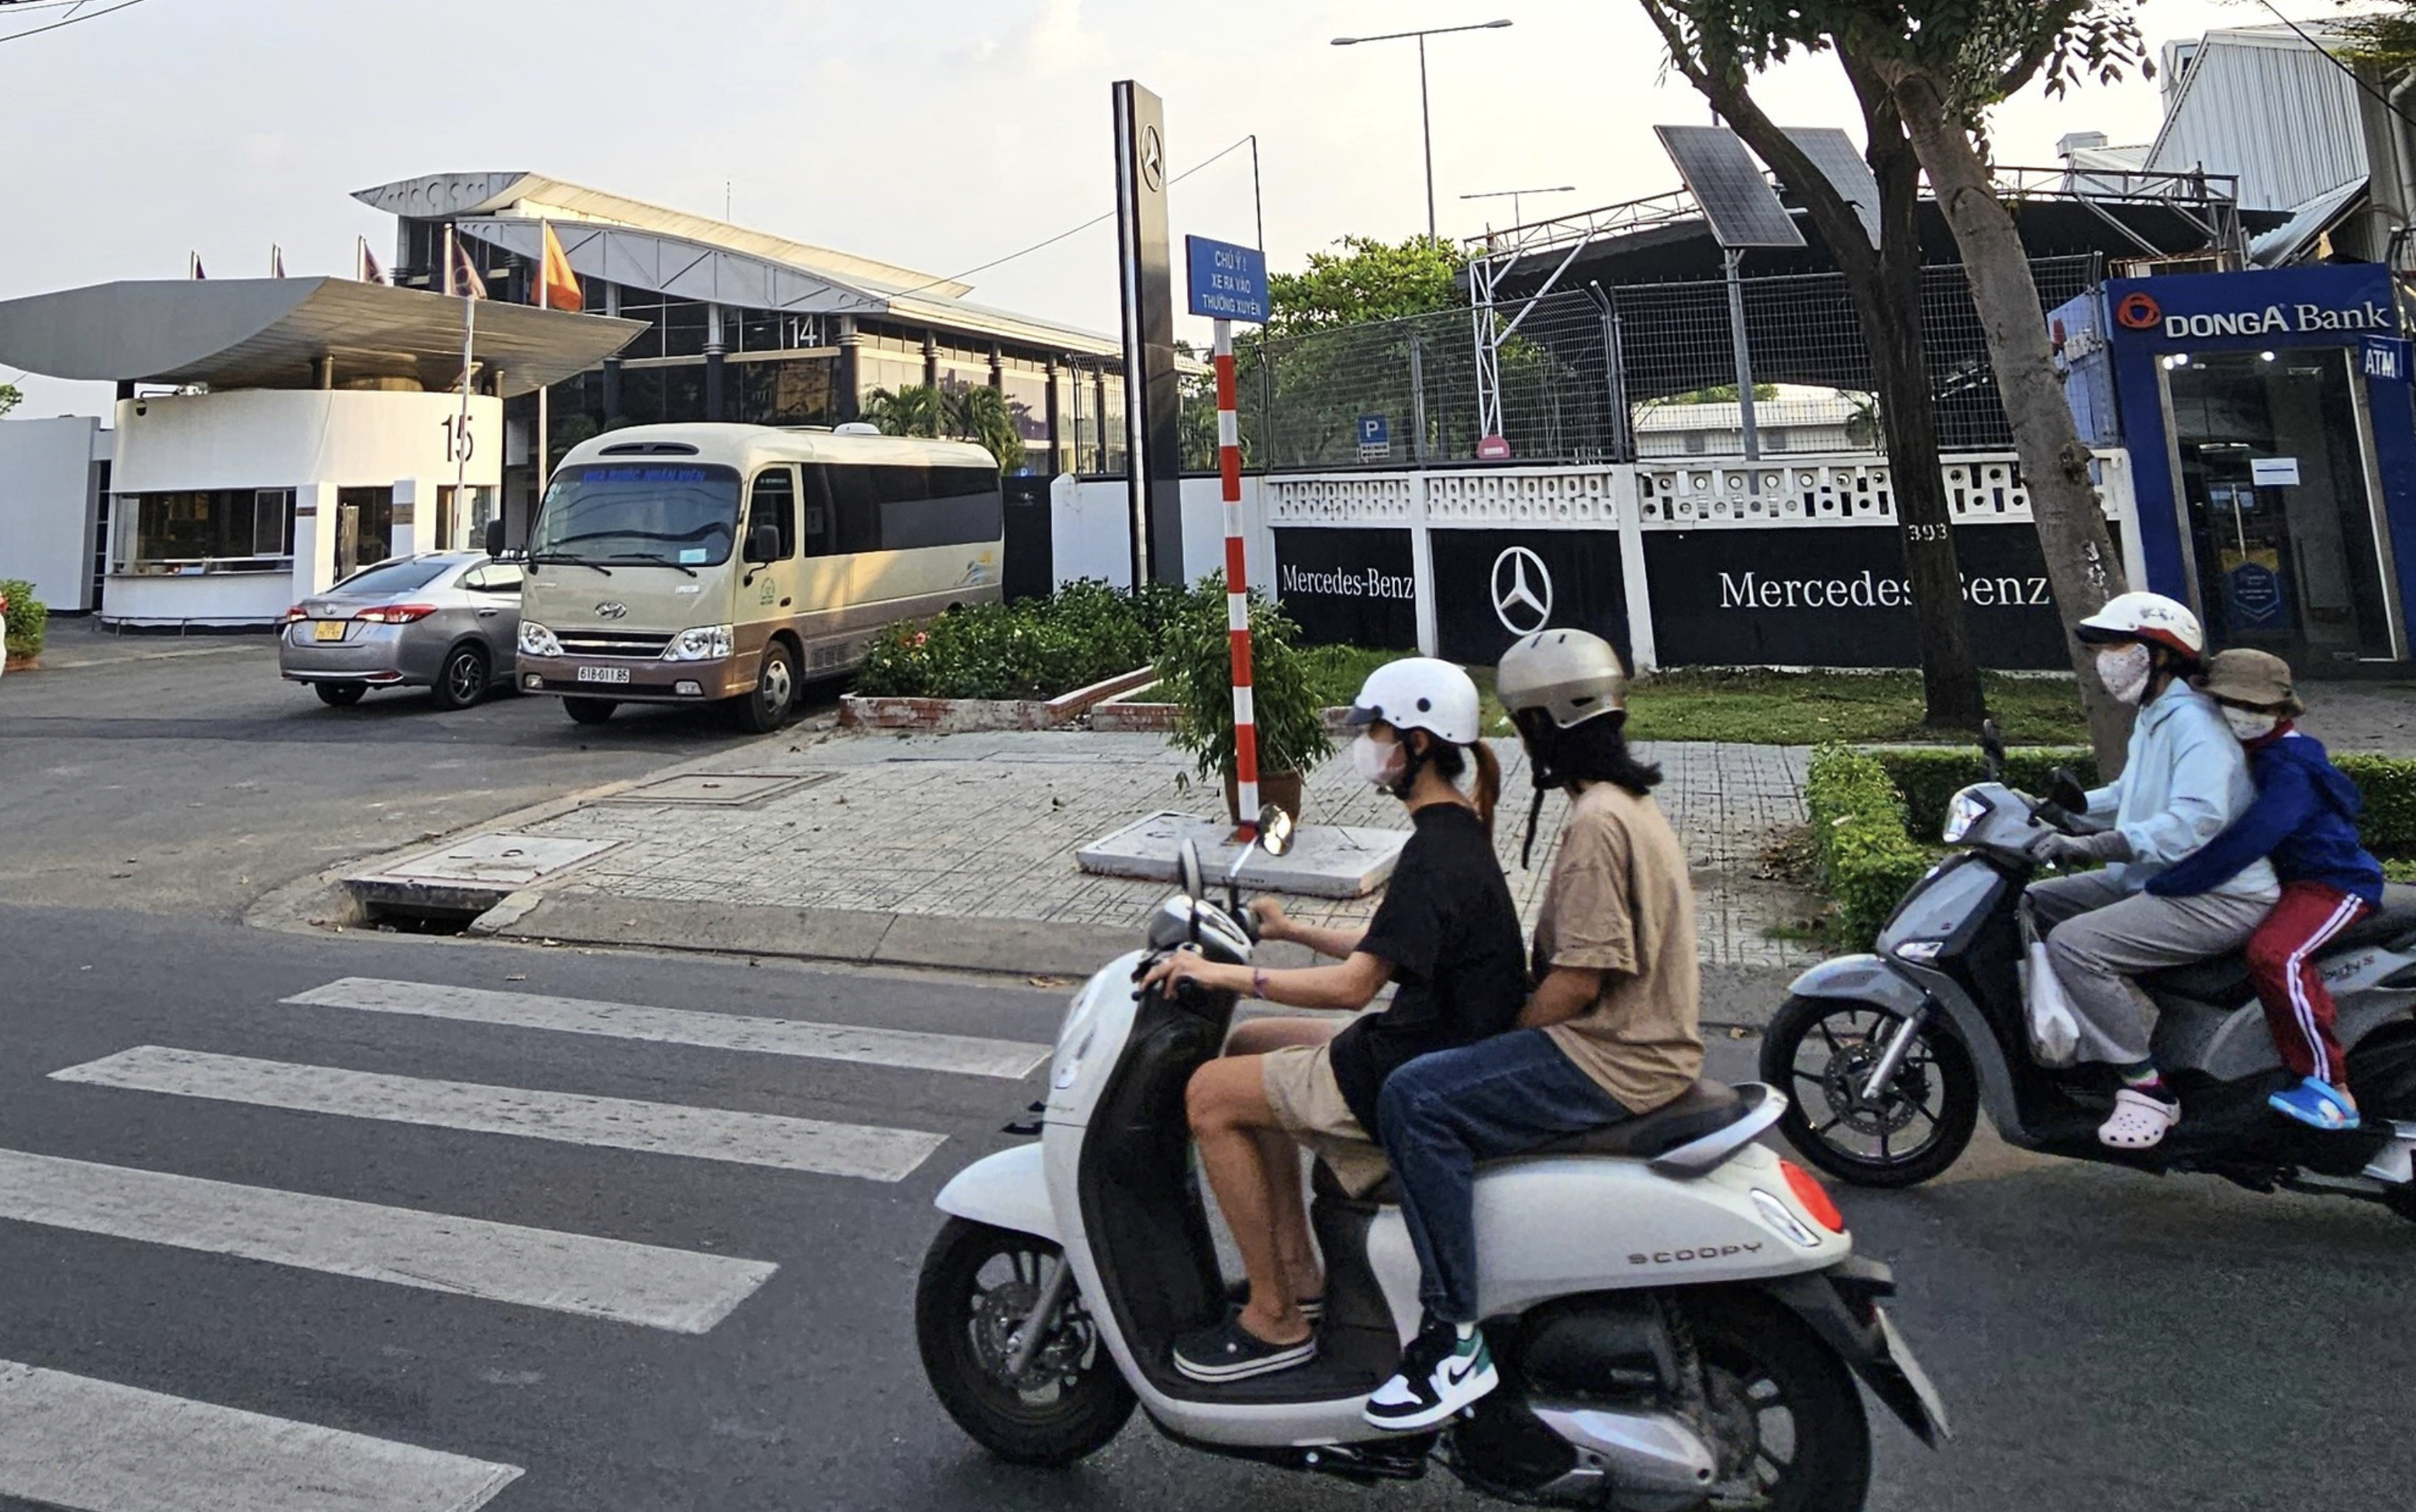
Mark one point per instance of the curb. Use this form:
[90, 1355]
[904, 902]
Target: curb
[1019, 947]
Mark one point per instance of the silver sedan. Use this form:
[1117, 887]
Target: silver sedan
[446, 621]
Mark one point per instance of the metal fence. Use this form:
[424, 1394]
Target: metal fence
[1640, 372]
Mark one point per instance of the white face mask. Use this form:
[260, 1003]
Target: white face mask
[1378, 762]
[2249, 724]
[2124, 671]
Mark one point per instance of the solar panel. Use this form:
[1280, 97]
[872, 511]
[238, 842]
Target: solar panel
[1832, 152]
[1727, 183]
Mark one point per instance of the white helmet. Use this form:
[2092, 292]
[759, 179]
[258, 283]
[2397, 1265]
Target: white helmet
[2149, 618]
[1420, 693]
[1573, 675]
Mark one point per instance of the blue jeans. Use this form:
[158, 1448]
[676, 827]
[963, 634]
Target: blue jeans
[1442, 1113]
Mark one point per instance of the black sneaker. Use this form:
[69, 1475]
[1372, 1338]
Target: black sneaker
[1446, 1368]
[1229, 1352]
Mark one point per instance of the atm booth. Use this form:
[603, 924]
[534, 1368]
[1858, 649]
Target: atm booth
[2271, 433]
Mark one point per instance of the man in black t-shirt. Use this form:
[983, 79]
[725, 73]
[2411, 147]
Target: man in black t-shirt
[1446, 936]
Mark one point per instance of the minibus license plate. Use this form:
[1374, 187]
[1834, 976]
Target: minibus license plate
[327, 629]
[602, 674]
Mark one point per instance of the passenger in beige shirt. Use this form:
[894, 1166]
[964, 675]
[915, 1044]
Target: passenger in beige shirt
[1609, 1032]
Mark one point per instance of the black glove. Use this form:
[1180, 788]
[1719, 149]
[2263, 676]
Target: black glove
[2081, 850]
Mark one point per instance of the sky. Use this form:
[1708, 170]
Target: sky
[939, 134]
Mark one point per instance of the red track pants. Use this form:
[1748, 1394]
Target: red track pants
[2281, 960]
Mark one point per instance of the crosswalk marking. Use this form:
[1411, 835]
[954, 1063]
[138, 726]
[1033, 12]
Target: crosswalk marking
[70, 1440]
[806, 1145]
[676, 1289]
[909, 1050]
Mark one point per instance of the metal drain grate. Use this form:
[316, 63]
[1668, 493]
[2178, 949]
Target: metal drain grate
[716, 790]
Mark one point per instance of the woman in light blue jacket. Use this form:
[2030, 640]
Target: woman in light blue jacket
[2183, 780]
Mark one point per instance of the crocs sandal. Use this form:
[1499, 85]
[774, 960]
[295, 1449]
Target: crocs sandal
[2139, 1122]
[1229, 1352]
[2316, 1103]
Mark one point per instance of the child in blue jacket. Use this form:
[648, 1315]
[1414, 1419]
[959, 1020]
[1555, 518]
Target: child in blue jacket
[2306, 820]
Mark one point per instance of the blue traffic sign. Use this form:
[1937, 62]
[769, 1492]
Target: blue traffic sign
[1227, 282]
[1375, 431]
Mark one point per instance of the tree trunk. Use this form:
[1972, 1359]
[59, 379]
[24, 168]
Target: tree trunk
[2081, 564]
[1889, 305]
[1885, 287]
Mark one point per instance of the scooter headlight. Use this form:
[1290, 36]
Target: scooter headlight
[1964, 812]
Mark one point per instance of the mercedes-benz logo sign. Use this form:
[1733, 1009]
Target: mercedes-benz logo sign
[608, 609]
[1522, 591]
[1153, 158]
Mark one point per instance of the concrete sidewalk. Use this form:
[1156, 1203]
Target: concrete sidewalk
[956, 851]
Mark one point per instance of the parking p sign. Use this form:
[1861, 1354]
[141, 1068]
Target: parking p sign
[1374, 438]
[1227, 282]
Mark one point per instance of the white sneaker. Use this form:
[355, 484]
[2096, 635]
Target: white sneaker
[1445, 1368]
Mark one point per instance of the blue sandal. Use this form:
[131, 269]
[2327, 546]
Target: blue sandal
[2316, 1103]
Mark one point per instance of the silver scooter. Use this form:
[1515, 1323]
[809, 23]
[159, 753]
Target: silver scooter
[1677, 1314]
[1889, 1057]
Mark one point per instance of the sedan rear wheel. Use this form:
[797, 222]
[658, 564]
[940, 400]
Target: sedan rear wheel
[463, 680]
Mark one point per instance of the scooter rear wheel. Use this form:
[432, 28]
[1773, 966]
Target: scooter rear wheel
[1790, 1425]
[978, 1284]
[1818, 1051]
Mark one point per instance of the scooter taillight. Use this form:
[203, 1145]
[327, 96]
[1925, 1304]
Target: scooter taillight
[1814, 1197]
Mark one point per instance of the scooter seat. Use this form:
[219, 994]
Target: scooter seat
[2393, 920]
[1705, 1108]
[2223, 980]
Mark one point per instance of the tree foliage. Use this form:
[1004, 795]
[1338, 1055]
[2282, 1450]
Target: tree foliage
[11, 396]
[1367, 280]
[974, 412]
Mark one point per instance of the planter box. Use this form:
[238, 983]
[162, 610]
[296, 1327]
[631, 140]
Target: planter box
[957, 716]
[1126, 713]
[18, 663]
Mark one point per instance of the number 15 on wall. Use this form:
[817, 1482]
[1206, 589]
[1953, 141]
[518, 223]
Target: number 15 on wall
[460, 445]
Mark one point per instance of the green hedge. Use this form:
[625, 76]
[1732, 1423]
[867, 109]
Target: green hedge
[1037, 648]
[1866, 853]
[28, 618]
[1876, 814]
[1927, 777]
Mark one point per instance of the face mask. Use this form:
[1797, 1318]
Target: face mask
[2248, 724]
[2124, 671]
[1377, 762]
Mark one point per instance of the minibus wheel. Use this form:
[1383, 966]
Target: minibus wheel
[774, 698]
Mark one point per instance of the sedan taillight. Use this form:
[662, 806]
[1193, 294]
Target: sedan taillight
[296, 612]
[395, 613]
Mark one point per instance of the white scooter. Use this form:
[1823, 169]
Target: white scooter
[1677, 1314]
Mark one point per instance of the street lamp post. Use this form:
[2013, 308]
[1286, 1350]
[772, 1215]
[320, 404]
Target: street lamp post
[1513, 196]
[1425, 114]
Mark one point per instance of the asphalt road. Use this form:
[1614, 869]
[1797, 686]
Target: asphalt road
[179, 775]
[2103, 1340]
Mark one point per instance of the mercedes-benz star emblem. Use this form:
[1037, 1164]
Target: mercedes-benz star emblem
[1522, 591]
[1153, 158]
[611, 609]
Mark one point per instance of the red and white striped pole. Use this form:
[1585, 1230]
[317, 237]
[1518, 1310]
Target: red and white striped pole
[1237, 588]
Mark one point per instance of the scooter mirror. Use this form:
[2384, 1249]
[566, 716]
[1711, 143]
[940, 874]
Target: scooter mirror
[1195, 881]
[1275, 829]
[1992, 749]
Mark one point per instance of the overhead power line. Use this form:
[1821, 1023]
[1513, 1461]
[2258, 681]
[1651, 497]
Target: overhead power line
[1075, 231]
[76, 12]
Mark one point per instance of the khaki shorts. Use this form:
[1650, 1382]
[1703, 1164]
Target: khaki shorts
[1308, 1103]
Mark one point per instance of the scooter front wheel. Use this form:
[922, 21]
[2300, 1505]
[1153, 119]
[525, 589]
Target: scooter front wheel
[978, 1287]
[1821, 1051]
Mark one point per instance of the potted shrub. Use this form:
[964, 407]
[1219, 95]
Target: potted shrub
[26, 619]
[1195, 666]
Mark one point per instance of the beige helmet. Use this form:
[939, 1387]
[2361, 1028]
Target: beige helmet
[2252, 679]
[1572, 675]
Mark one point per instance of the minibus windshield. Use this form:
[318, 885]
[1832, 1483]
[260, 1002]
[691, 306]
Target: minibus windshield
[683, 517]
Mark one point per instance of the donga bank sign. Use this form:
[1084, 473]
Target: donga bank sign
[2340, 303]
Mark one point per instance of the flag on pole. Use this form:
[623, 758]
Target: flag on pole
[276, 261]
[460, 273]
[557, 285]
[193, 265]
[365, 262]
